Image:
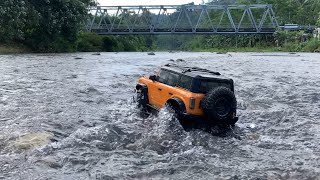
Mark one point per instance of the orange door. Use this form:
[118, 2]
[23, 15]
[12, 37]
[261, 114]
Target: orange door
[164, 93]
[154, 93]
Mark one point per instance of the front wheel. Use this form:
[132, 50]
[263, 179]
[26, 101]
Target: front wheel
[142, 101]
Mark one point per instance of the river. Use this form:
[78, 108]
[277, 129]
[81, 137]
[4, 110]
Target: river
[72, 116]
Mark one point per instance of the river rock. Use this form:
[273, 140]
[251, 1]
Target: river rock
[221, 52]
[180, 60]
[30, 141]
[52, 162]
[253, 136]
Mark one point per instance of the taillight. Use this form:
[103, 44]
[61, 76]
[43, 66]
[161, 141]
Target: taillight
[192, 103]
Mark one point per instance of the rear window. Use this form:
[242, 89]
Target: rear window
[206, 86]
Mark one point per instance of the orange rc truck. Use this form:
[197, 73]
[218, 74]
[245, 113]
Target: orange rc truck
[194, 95]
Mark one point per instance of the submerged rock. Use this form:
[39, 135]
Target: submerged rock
[30, 141]
[151, 53]
[52, 162]
[253, 136]
[221, 52]
[180, 60]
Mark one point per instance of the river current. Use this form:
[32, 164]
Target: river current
[72, 116]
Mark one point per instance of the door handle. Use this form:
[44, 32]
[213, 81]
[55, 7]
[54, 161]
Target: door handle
[159, 89]
[170, 93]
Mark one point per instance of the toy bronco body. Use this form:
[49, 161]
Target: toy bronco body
[194, 94]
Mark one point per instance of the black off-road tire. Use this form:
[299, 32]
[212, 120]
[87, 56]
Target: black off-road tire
[140, 99]
[142, 102]
[173, 110]
[178, 115]
[220, 105]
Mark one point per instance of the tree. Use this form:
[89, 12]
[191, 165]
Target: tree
[43, 25]
[13, 15]
[58, 23]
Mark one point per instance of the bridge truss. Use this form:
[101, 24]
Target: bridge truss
[183, 19]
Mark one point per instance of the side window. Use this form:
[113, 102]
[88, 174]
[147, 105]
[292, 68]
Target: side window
[168, 78]
[185, 82]
[163, 76]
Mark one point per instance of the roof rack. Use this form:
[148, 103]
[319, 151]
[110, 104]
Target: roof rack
[190, 69]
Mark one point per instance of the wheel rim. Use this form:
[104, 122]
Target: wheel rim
[222, 107]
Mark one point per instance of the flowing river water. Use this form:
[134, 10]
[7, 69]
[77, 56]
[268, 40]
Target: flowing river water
[72, 116]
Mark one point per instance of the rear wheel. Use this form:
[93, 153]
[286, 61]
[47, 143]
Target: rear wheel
[220, 106]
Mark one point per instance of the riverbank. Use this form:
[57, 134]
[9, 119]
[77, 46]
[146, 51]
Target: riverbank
[311, 46]
[14, 49]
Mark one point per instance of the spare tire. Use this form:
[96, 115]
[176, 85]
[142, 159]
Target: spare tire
[220, 106]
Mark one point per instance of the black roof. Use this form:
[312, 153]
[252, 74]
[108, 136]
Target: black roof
[192, 71]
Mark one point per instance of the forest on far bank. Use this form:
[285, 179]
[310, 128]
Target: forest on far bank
[57, 26]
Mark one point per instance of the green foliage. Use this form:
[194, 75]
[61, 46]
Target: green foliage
[312, 46]
[296, 41]
[291, 39]
[61, 44]
[89, 42]
[110, 44]
[43, 25]
[13, 15]
[56, 19]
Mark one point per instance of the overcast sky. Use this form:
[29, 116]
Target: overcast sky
[146, 2]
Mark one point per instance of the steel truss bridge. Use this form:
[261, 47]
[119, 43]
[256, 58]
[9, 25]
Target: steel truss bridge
[183, 19]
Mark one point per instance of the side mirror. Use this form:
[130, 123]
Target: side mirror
[153, 77]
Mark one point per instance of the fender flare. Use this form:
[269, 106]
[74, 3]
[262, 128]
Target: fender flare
[177, 103]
